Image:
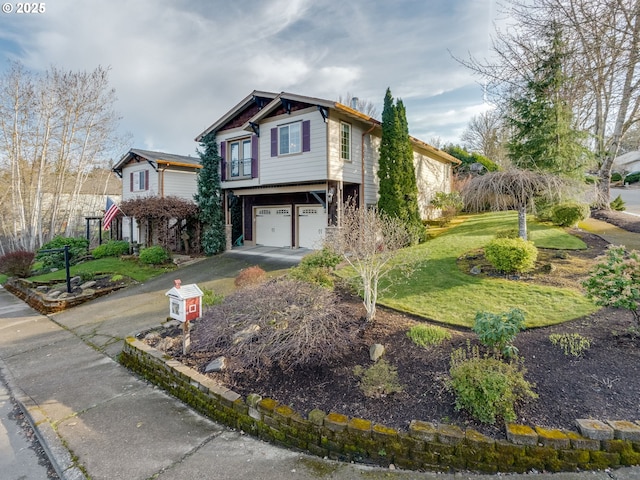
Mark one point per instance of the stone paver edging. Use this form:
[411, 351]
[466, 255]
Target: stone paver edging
[425, 446]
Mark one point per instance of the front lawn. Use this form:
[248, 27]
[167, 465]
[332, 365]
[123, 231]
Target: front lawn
[128, 267]
[439, 290]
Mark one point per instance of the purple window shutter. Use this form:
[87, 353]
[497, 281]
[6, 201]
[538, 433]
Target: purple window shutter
[146, 179]
[306, 136]
[254, 156]
[223, 161]
[131, 182]
[274, 142]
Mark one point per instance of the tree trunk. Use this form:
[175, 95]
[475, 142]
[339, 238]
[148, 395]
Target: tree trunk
[522, 222]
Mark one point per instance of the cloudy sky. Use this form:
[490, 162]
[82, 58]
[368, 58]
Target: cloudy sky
[178, 65]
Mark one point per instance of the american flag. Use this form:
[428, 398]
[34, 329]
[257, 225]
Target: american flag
[110, 213]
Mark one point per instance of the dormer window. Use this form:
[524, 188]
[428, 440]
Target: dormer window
[290, 138]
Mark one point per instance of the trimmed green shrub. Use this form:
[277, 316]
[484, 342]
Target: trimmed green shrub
[211, 298]
[112, 248]
[426, 335]
[77, 249]
[324, 258]
[618, 204]
[486, 387]
[616, 177]
[379, 380]
[568, 214]
[511, 254]
[507, 233]
[572, 344]
[17, 264]
[317, 275]
[632, 178]
[499, 330]
[155, 255]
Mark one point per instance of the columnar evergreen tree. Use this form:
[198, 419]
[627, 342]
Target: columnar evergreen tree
[544, 137]
[398, 187]
[209, 197]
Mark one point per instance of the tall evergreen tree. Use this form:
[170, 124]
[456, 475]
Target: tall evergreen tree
[209, 197]
[396, 172]
[544, 137]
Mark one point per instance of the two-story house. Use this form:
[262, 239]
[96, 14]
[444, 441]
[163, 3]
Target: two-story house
[291, 160]
[145, 174]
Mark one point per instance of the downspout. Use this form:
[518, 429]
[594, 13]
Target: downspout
[373, 125]
[162, 181]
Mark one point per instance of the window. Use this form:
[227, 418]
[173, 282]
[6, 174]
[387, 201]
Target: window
[139, 181]
[240, 152]
[345, 141]
[290, 138]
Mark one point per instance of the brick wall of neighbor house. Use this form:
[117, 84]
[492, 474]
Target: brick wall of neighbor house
[424, 446]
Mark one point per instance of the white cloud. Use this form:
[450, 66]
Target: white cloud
[177, 65]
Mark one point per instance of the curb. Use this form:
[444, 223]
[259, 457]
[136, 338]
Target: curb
[54, 447]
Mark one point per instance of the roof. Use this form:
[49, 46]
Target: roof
[157, 158]
[185, 291]
[273, 101]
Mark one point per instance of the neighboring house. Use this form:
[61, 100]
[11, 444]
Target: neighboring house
[627, 163]
[145, 174]
[291, 160]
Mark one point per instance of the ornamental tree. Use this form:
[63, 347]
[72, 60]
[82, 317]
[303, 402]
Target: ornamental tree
[209, 197]
[615, 280]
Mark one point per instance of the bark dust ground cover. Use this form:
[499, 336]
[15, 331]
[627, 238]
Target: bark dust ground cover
[603, 383]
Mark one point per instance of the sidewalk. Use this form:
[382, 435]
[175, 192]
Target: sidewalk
[96, 420]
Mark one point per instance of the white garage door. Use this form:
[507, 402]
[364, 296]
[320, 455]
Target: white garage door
[273, 226]
[312, 221]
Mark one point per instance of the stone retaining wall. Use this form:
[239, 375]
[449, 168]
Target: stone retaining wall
[424, 446]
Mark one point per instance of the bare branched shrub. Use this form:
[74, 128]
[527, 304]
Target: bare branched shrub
[369, 240]
[281, 322]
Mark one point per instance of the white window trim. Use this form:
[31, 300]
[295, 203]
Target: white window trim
[139, 177]
[242, 168]
[288, 126]
[350, 150]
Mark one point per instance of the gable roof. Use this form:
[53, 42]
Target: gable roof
[267, 102]
[155, 159]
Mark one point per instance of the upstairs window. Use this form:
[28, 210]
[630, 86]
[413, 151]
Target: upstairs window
[139, 181]
[290, 138]
[240, 152]
[345, 142]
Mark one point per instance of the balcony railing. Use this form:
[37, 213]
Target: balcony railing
[240, 168]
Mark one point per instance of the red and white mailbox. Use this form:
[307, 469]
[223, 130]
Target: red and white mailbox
[185, 301]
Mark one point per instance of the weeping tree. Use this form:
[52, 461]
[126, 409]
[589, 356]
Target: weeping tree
[512, 189]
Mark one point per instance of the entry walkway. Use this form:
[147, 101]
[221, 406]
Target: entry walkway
[96, 420]
[611, 233]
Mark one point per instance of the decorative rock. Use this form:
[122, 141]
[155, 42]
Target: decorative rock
[89, 284]
[376, 351]
[476, 270]
[594, 429]
[54, 293]
[76, 280]
[426, 431]
[88, 291]
[216, 365]
[245, 334]
[450, 434]
[625, 430]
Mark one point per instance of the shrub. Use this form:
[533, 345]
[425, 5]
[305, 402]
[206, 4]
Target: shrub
[211, 298]
[318, 275]
[498, 331]
[507, 233]
[449, 204]
[77, 249]
[17, 264]
[279, 322]
[112, 248]
[155, 255]
[250, 276]
[571, 343]
[615, 280]
[379, 380]
[618, 204]
[511, 254]
[616, 177]
[568, 214]
[632, 178]
[486, 387]
[425, 335]
[325, 258]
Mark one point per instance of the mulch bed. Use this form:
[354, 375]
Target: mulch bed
[601, 384]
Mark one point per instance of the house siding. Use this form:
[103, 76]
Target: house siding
[432, 176]
[180, 184]
[127, 194]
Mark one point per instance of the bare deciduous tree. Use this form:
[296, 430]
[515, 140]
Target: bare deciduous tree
[369, 241]
[512, 189]
[363, 106]
[486, 134]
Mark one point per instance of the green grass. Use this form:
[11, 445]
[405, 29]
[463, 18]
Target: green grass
[438, 290]
[127, 267]
[3, 278]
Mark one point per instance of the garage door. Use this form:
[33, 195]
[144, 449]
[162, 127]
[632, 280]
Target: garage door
[273, 226]
[312, 221]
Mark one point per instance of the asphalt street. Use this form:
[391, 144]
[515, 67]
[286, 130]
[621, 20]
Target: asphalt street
[631, 197]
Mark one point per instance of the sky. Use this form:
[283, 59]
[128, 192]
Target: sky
[179, 65]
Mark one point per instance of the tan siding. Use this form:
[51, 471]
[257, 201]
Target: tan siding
[432, 176]
[180, 184]
[127, 194]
